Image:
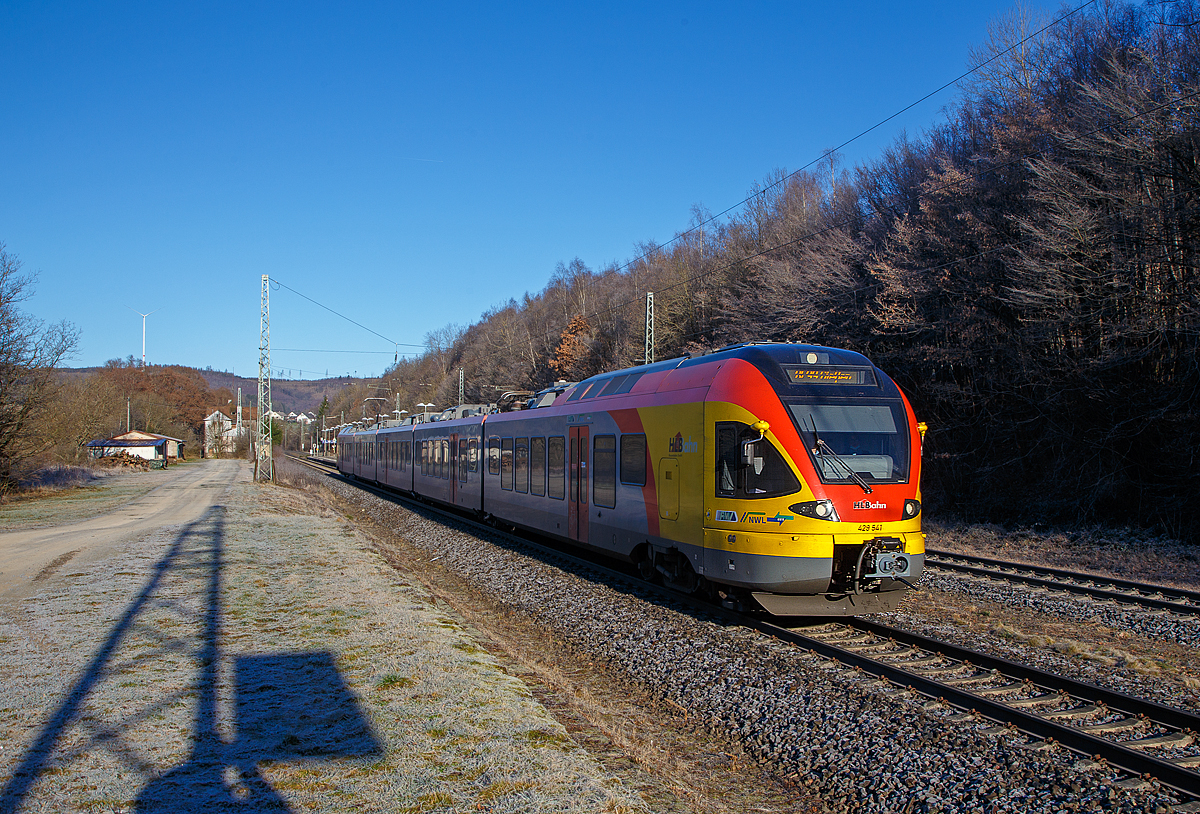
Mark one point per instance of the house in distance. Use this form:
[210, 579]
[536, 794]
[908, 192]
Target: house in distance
[148, 445]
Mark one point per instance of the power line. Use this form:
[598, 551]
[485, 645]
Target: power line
[850, 141]
[322, 350]
[343, 316]
[972, 177]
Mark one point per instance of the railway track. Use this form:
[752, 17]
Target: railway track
[1149, 742]
[1140, 737]
[1103, 589]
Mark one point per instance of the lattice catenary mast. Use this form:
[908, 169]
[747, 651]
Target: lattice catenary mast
[263, 469]
[649, 328]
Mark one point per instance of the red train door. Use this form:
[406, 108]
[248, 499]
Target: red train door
[577, 491]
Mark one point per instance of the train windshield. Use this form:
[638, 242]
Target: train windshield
[854, 443]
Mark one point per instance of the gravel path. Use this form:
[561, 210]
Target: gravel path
[854, 745]
[110, 489]
[263, 658]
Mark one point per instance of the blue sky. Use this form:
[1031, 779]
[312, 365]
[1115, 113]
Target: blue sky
[410, 165]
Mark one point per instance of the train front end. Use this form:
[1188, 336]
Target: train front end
[814, 505]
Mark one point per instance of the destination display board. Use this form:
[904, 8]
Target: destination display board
[847, 376]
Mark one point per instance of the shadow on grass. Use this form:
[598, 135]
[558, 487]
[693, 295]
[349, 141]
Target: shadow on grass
[289, 706]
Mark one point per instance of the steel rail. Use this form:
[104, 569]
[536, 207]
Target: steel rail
[1172, 717]
[1172, 599]
[1182, 780]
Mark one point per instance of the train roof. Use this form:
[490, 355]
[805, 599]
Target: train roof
[772, 358]
[790, 368]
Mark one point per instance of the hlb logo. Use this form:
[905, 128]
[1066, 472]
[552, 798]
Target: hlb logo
[866, 504]
[678, 445]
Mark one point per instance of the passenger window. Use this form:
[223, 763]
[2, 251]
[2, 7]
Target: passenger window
[521, 464]
[613, 385]
[473, 455]
[604, 471]
[493, 456]
[537, 466]
[727, 460]
[765, 474]
[556, 467]
[633, 459]
[462, 461]
[506, 464]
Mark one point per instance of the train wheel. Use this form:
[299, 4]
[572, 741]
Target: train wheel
[676, 571]
[645, 567]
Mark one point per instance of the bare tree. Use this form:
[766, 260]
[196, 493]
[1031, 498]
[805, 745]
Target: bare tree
[29, 353]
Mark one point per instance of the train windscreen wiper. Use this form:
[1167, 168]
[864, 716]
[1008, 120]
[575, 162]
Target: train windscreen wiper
[849, 470]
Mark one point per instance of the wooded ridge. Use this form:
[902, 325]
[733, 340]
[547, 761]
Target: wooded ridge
[1026, 271]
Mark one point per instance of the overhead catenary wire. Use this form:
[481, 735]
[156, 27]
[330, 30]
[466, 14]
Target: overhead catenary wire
[850, 141]
[326, 350]
[950, 185]
[848, 294]
[757, 194]
[343, 316]
[768, 250]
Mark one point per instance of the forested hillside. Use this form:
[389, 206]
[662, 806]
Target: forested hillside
[1026, 271]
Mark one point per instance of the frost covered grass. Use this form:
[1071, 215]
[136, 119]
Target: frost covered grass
[266, 657]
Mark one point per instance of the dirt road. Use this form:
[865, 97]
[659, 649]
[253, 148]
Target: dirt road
[27, 556]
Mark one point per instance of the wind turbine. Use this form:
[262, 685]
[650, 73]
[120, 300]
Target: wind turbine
[143, 316]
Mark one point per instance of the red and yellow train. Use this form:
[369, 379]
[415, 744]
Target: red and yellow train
[773, 475]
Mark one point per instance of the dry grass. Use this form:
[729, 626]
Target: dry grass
[1122, 553]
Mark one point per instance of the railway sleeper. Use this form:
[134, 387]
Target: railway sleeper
[967, 681]
[1001, 689]
[1035, 701]
[1172, 740]
[818, 631]
[945, 668]
[862, 646]
[900, 654]
[925, 660]
[833, 635]
[1072, 713]
[1115, 725]
[1135, 783]
[854, 643]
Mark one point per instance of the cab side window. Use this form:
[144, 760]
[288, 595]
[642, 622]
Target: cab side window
[748, 467]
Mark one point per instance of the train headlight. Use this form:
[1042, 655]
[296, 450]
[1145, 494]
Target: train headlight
[816, 509]
[911, 508]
